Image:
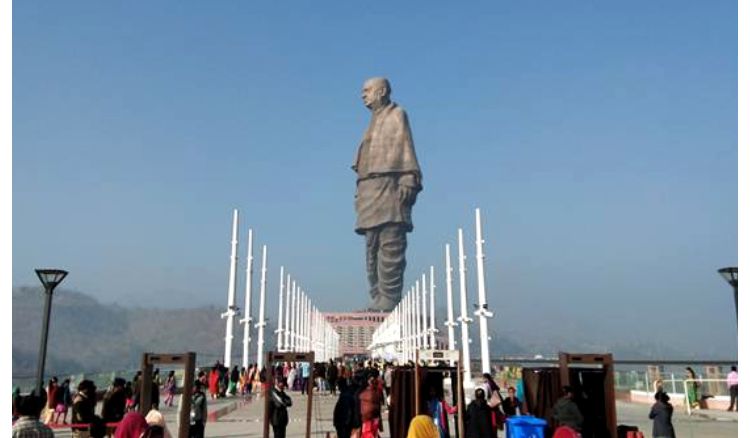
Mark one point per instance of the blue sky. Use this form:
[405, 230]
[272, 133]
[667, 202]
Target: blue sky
[600, 141]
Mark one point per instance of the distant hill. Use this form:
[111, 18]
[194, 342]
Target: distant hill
[88, 336]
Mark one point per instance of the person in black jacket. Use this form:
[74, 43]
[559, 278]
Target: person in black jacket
[479, 417]
[279, 417]
[661, 413]
[84, 404]
[345, 413]
[113, 404]
[332, 375]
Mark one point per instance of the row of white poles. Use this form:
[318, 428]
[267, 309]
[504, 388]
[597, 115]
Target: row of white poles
[410, 327]
[302, 327]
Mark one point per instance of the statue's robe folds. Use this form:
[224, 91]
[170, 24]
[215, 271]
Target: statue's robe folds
[385, 160]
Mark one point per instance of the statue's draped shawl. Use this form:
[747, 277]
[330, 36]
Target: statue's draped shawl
[387, 145]
[385, 160]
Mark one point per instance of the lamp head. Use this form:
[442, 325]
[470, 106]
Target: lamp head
[50, 278]
[730, 275]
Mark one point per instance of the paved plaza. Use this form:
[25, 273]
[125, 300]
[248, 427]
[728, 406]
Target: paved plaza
[236, 417]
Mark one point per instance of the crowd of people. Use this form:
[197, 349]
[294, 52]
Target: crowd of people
[363, 390]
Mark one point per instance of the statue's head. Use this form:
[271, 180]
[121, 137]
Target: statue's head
[376, 93]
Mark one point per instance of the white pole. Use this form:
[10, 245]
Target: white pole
[418, 325]
[292, 333]
[450, 322]
[405, 325]
[415, 322]
[279, 327]
[464, 319]
[262, 311]
[306, 322]
[231, 307]
[297, 319]
[248, 319]
[483, 312]
[433, 330]
[288, 306]
[425, 329]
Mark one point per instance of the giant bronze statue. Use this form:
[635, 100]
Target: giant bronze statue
[388, 180]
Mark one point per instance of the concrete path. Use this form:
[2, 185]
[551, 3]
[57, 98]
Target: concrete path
[236, 417]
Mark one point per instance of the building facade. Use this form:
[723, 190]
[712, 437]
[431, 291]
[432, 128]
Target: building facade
[355, 330]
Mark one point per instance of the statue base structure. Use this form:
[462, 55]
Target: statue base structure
[355, 330]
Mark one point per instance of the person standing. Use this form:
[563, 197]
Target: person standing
[63, 402]
[388, 180]
[155, 389]
[213, 382]
[84, 404]
[198, 411]
[692, 387]
[661, 413]
[494, 401]
[52, 387]
[733, 393]
[113, 403]
[278, 414]
[388, 379]
[370, 401]
[479, 417]
[170, 388]
[332, 375]
[344, 413]
[511, 403]
[566, 411]
[137, 380]
[305, 371]
[234, 379]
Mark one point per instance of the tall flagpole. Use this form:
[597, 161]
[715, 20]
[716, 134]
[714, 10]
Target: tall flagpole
[450, 322]
[483, 311]
[464, 319]
[286, 320]
[231, 307]
[248, 319]
[262, 311]
[433, 330]
[293, 331]
[279, 329]
[425, 329]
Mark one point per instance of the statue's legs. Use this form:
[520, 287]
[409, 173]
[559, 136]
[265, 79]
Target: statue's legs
[386, 261]
[371, 259]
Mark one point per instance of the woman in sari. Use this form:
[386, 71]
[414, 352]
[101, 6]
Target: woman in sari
[692, 387]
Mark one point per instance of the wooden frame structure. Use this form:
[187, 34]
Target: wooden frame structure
[569, 360]
[431, 356]
[147, 369]
[272, 357]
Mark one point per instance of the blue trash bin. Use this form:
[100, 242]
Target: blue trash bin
[524, 426]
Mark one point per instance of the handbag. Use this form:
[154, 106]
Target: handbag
[494, 400]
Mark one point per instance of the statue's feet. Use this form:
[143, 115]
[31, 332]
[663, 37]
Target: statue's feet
[381, 304]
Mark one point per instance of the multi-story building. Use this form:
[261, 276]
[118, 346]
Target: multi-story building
[355, 330]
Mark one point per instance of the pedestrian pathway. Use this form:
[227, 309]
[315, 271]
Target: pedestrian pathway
[239, 417]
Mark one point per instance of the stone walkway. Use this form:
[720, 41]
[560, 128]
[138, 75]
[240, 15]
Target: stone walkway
[234, 417]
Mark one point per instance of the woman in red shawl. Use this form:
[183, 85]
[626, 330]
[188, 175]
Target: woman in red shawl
[132, 426]
[213, 382]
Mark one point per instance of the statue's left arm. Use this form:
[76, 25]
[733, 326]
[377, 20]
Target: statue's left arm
[409, 182]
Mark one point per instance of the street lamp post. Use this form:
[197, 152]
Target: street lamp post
[50, 278]
[730, 275]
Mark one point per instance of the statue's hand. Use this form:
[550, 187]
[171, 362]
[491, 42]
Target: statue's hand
[407, 195]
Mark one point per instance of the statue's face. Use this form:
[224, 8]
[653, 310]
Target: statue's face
[374, 94]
